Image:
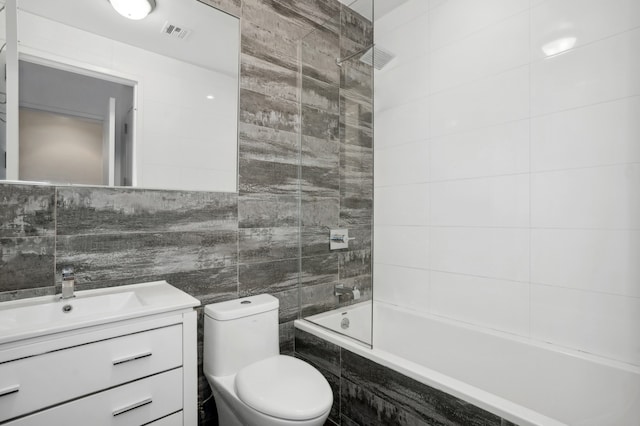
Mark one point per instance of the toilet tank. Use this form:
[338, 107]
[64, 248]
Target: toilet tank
[239, 332]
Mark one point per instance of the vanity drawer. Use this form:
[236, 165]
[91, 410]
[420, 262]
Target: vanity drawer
[40, 381]
[173, 420]
[136, 403]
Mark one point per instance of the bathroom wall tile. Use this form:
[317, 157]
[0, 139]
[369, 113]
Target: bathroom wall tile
[402, 245]
[232, 7]
[288, 309]
[26, 263]
[267, 277]
[601, 197]
[315, 299]
[373, 394]
[266, 244]
[267, 177]
[27, 211]
[598, 72]
[267, 111]
[322, 12]
[407, 81]
[6, 296]
[490, 151]
[394, 40]
[286, 332]
[401, 165]
[456, 19]
[356, 114]
[405, 123]
[318, 352]
[270, 31]
[101, 210]
[501, 253]
[126, 258]
[319, 51]
[398, 18]
[496, 304]
[498, 99]
[594, 260]
[356, 272]
[356, 184]
[402, 205]
[476, 56]
[587, 21]
[356, 80]
[263, 143]
[207, 285]
[596, 135]
[320, 95]
[260, 76]
[320, 211]
[494, 201]
[355, 27]
[320, 159]
[346, 421]
[402, 286]
[319, 270]
[320, 124]
[359, 136]
[267, 211]
[596, 323]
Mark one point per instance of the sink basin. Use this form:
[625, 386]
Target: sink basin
[69, 309]
[27, 318]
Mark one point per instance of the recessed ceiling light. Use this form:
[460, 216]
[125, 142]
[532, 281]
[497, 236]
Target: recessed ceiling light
[133, 9]
[210, 97]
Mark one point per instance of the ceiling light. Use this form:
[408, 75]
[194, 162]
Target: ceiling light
[210, 97]
[133, 9]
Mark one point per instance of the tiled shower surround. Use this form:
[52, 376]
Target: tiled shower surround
[266, 238]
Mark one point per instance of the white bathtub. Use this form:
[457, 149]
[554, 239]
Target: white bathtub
[524, 382]
[353, 321]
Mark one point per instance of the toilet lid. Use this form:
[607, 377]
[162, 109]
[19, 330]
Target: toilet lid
[284, 387]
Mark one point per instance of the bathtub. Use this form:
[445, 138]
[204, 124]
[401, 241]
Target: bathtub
[524, 382]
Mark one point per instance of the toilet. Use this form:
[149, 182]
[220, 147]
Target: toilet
[253, 385]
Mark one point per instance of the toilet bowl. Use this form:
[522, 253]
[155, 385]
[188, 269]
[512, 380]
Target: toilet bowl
[253, 385]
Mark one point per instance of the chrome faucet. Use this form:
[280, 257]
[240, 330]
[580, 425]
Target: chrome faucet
[68, 282]
[341, 290]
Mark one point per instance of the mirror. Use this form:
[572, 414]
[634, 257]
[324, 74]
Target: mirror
[151, 103]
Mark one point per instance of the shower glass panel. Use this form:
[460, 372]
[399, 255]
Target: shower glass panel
[336, 171]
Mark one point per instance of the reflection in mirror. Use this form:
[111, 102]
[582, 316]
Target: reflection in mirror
[161, 92]
[3, 90]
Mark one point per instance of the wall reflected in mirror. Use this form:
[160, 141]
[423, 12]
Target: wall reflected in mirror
[162, 91]
[3, 89]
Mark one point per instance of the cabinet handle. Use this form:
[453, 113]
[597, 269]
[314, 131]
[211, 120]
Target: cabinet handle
[131, 358]
[133, 406]
[9, 390]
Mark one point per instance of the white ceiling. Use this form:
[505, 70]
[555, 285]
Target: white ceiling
[213, 32]
[368, 8]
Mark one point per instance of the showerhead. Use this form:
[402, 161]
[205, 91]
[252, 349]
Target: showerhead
[377, 57]
[373, 56]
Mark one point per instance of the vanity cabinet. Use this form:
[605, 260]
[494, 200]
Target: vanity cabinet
[133, 372]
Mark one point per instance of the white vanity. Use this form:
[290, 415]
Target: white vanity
[116, 356]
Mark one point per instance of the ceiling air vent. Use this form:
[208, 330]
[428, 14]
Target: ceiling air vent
[175, 31]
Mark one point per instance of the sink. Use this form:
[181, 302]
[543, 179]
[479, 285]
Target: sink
[68, 310]
[43, 315]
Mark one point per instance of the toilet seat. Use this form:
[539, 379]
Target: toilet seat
[284, 387]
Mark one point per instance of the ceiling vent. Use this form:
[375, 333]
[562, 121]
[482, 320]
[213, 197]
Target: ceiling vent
[175, 31]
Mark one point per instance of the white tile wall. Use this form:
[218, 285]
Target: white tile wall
[528, 165]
